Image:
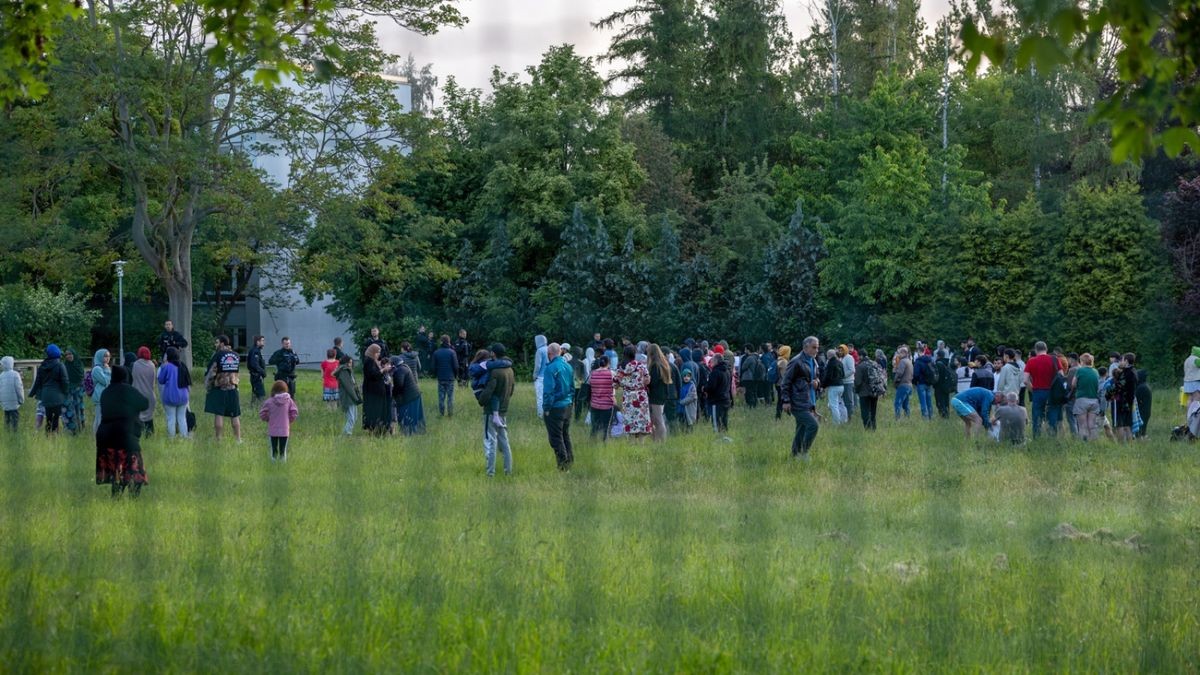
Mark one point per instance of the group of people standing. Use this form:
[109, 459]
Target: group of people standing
[639, 390]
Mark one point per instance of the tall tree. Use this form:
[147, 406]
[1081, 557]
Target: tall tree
[658, 44]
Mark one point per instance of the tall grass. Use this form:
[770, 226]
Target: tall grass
[908, 549]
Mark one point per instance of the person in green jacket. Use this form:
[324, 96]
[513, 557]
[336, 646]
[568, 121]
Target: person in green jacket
[494, 400]
[557, 396]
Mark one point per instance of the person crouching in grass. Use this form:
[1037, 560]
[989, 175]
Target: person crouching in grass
[972, 407]
[279, 411]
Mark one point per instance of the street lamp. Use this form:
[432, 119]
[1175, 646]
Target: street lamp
[120, 265]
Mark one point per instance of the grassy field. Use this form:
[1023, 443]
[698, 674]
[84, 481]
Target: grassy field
[907, 550]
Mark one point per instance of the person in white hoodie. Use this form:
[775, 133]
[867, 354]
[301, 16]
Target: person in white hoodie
[12, 393]
[540, 359]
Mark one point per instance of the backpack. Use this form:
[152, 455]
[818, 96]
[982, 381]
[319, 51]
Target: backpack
[89, 385]
[1058, 389]
[876, 380]
[931, 374]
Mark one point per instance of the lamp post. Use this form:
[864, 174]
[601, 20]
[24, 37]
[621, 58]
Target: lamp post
[120, 265]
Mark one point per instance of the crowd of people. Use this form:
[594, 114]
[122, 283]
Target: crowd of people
[637, 390]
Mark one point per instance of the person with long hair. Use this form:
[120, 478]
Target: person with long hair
[659, 391]
[633, 378]
[377, 418]
[174, 382]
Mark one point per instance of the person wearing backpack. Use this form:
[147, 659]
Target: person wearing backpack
[945, 386]
[925, 377]
[870, 383]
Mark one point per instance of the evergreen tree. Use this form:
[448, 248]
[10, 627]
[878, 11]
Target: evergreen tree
[790, 274]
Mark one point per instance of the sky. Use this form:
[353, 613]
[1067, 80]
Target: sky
[514, 34]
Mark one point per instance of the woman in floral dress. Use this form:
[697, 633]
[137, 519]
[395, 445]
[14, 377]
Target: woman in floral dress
[633, 378]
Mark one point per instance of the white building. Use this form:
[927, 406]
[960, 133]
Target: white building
[311, 327]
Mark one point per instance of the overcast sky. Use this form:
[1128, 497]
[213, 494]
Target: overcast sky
[514, 34]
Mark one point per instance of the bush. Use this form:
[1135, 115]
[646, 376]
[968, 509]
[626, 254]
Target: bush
[31, 318]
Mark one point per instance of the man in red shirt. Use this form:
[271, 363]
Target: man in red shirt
[1039, 375]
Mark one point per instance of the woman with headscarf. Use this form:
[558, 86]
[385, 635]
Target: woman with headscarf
[633, 378]
[118, 453]
[658, 391]
[72, 411]
[101, 376]
[144, 380]
[50, 386]
[376, 413]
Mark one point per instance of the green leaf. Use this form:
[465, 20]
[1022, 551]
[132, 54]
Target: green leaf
[1174, 139]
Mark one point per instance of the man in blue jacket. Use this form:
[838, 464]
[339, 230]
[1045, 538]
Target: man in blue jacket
[445, 368]
[557, 395]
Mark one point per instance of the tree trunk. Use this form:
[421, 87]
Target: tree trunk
[179, 302]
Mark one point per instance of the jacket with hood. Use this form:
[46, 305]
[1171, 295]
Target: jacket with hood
[279, 411]
[862, 378]
[101, 376]
[559, 389]
[144, 380]
[785, 355]
[540, 358]
[12, 389]
[717, 388]
[351, 395]
[751, 368]
[169, 388]
[499, 388]
[50, 383]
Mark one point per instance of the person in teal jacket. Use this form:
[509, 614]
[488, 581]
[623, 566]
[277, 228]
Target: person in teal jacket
[557, 395]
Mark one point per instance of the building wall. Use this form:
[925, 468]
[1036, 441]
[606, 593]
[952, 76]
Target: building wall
[284, 312]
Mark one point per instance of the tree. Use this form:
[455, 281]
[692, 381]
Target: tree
[790, 270]
[1156, 98]
[572, 297]
[1181, 234]
[174, 112]
[30, 32]
[1112, 270]
[659, 43]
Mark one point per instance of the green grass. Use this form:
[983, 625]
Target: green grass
[908, 550]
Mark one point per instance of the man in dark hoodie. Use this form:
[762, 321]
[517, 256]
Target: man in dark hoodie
[800, 395]
[50, 386]
[717, 393]
[494, 400]
[445, 368]
[1145, 400]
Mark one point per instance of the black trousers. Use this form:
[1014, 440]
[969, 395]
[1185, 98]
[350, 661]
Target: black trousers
[558, 430]
[291, 383]
[52, 417]
[768, 391]
[751, 394]
[601, 422]
[942, 398]
[279, 447]
[806, 431]
[720, 417]
[12, 419]
[258, 391]
[778, 405]
[868, 405]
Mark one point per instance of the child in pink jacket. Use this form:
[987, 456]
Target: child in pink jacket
[279, 411]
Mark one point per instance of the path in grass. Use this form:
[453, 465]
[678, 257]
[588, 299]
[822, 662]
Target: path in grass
[906, 549]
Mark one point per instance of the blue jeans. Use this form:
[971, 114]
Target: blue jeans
[925, 401]
[903, 393]
[1040, 400]
[351, 416]
[445, 397]
[495, 438]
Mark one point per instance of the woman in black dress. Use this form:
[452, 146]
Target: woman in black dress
[377, 414]
[118, 453]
